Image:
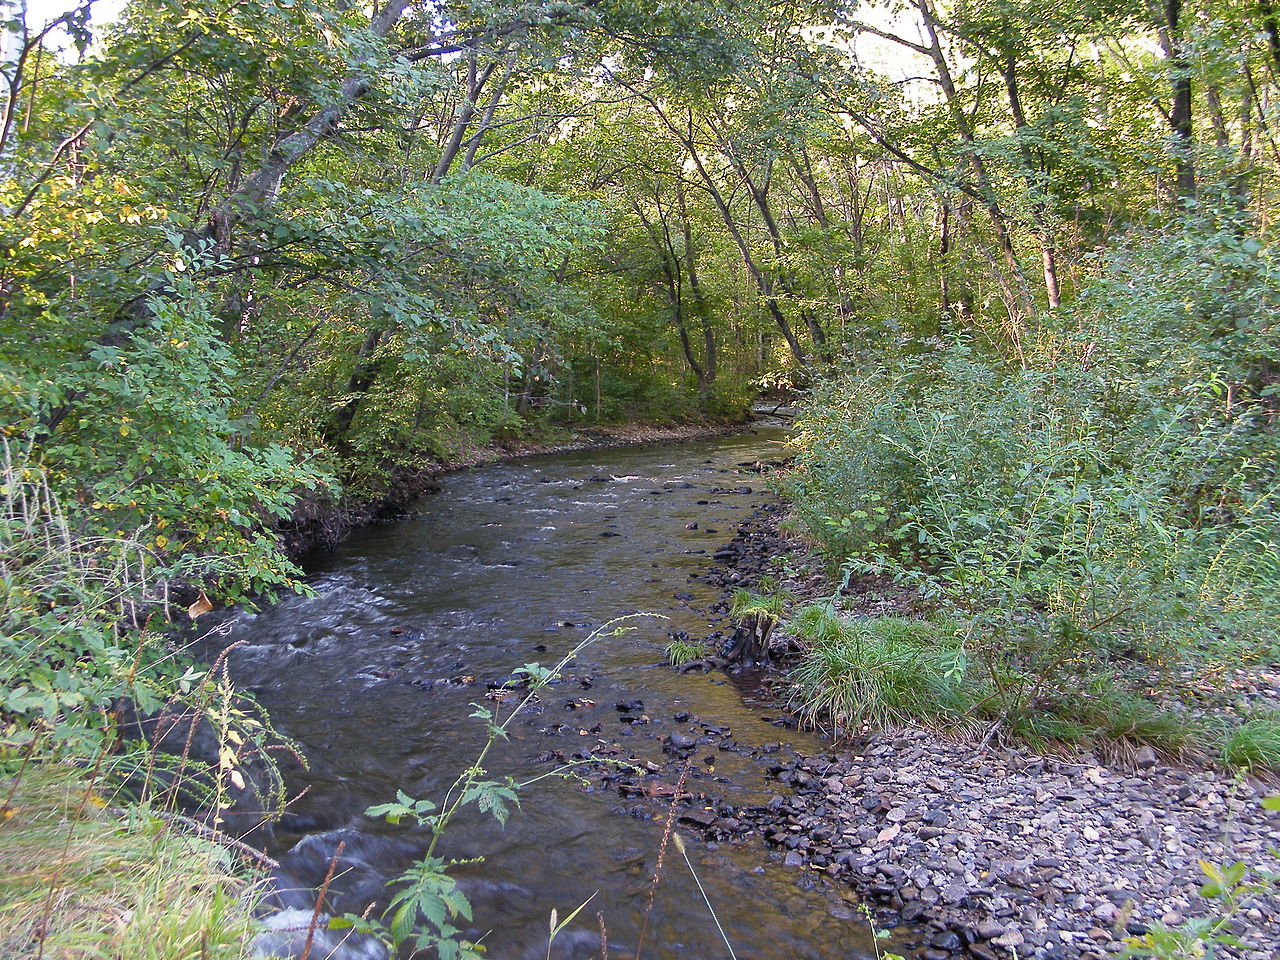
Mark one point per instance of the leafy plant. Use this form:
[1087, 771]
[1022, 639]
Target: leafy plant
[423, 911]
[1233, 886]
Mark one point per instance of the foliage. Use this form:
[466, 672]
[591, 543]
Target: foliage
[767, 602]
[1232, 886]
[1097, 514]
[70, 606]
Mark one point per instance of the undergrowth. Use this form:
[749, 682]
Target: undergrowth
[1095, 511]
[864, 673]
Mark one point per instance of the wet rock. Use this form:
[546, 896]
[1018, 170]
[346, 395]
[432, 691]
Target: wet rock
[511, 681]
[698, 818]
[794, 859]
[697, 666]
[678, 743]
[947, 940]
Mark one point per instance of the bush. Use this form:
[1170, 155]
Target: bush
[1095, 512]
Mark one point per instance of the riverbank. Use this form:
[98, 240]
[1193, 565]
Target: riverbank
[995, 850]
[321, 522]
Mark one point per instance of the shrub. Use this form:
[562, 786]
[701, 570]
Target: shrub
[1097, 510]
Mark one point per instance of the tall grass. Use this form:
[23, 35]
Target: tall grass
[876, 672]
[80, 879]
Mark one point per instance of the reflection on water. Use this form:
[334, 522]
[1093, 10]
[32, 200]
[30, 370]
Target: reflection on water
[512, 564]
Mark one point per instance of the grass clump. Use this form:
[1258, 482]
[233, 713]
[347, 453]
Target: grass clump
[78, 879]
[1254, 743]
[681, 652]
[866, 672]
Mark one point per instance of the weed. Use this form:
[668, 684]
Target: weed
[81, 879]
[423, 913]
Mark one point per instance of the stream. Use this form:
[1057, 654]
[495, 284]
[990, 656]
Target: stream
[374, 678]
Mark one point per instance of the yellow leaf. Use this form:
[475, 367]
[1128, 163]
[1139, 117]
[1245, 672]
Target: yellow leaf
[202, 606]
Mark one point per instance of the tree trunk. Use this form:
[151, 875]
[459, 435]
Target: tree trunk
[1039, 206]
[1017, 293]
[1180, 116]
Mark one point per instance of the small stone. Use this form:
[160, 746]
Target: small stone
[912, 911]
[677, 742]
[989, 930]
[947, 940]
[1145, 758]
[1009, 939]
[795, 859]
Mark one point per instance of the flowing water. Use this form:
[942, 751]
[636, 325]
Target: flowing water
[518, 563]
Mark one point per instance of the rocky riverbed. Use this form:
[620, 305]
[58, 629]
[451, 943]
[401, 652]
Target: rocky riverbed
[985, 850]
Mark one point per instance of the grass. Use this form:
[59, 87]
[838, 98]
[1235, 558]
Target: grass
[1104, 713]
[1255, 743]
[680, 652]
[80, 880]
[863, 673]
